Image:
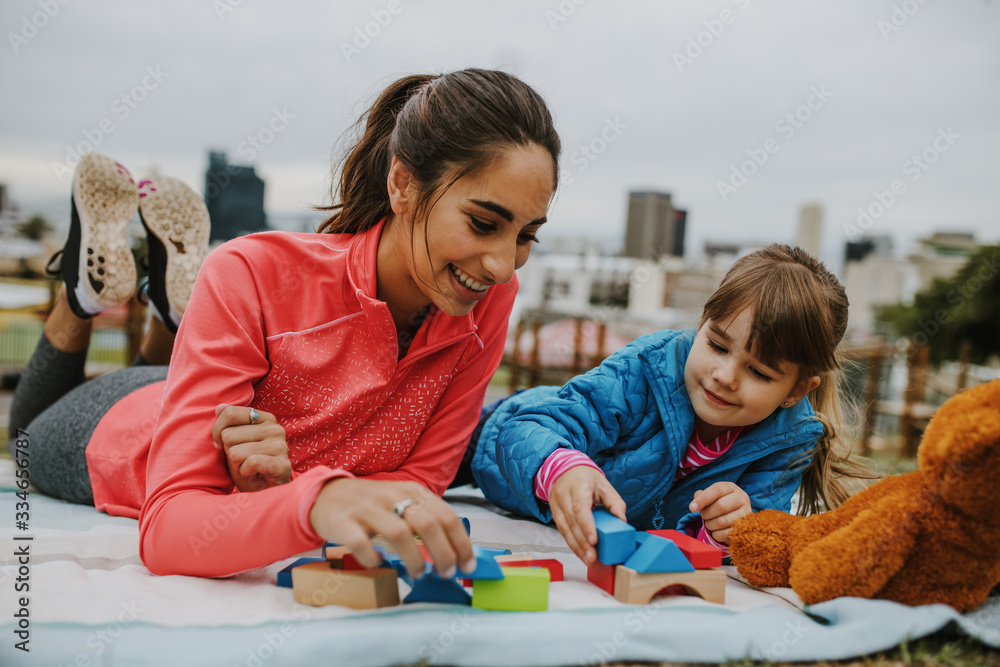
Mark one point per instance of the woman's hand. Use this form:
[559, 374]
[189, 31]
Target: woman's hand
[351, 511]
[720, 505]
[573, 496]
[257, 453]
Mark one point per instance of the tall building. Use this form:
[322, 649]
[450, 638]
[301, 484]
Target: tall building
[810, 228]
[654, 228]
[234, 195]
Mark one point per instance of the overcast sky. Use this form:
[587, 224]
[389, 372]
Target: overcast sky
[833, 100]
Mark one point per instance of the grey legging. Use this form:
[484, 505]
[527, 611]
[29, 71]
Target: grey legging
[57, 412]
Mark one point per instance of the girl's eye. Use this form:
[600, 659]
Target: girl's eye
[527, 238]
[715, 346]
[760, 376]
[481, 227]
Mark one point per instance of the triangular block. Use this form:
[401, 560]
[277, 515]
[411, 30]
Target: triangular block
[432, 587]
[657, 554]
[701, 555]
[486, 566]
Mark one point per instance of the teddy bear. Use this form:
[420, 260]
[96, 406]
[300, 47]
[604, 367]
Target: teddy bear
[929, 536]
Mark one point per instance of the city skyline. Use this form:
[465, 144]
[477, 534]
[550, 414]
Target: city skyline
[883, 113]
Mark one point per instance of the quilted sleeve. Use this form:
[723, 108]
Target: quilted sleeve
[600, 413]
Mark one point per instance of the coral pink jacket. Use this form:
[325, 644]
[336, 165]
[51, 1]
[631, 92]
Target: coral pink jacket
[289, 324]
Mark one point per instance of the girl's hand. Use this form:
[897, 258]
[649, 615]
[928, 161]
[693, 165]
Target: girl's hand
[257, 453]
[720, 505]
[351, 511]
[573, 496]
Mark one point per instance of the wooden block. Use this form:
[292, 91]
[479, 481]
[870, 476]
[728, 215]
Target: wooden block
[521, 589]
[285, 576]
[657, 554]
[486, 566]
[700, 555]
[348, 561]
[467, 525]
[503, 558]
[634, 587]
[318, 584]
[333, 551]
[615, 538]
[602, 576]
[554, 567]
[432, 587]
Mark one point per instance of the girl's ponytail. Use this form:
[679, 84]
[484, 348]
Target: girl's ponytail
[825, 481]
[363, 199]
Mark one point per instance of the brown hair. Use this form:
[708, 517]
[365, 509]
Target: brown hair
[799, 315]
[439, 126]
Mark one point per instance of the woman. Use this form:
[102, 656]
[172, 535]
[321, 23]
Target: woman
[351, 364]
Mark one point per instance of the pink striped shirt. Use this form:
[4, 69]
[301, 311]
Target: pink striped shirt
[696, 455]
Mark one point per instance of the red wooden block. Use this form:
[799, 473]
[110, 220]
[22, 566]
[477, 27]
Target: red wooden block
[602, 576]
[425, 553]
[701, 555]
[351, 563]
[554, 567]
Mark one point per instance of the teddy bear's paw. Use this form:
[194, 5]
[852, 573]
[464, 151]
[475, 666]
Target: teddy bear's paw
[758, 545]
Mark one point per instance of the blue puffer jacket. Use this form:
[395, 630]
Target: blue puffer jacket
[633, 417]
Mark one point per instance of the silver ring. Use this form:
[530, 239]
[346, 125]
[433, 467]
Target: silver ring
[401, 506]
[254, 416]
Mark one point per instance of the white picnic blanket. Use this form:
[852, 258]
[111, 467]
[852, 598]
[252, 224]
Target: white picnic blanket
[90, 601]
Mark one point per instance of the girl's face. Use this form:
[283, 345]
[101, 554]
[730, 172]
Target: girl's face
[730, 387]
[478, 232]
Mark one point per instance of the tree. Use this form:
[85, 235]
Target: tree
[953, 311]
[34, 228]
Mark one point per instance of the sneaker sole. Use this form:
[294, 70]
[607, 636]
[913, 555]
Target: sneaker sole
[178, 220]
[104, 200]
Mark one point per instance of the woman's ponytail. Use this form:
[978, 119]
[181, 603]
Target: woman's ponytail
[364, 199]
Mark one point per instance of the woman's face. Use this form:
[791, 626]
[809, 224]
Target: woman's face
[477, 234]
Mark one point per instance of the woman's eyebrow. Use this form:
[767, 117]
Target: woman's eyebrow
[502, 211]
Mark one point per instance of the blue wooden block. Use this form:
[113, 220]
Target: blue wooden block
[468, 526]
[486, 566]
[285, 576]
[616, 540]
[657, 554]
[487, 551]
[432, 587]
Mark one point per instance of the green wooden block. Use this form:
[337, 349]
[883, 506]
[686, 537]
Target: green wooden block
[521, 589]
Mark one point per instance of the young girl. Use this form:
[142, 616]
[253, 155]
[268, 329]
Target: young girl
[340, 373]
[687, 429]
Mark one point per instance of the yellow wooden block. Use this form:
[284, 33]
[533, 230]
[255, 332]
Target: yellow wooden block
[318, 584]
[634, 587]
